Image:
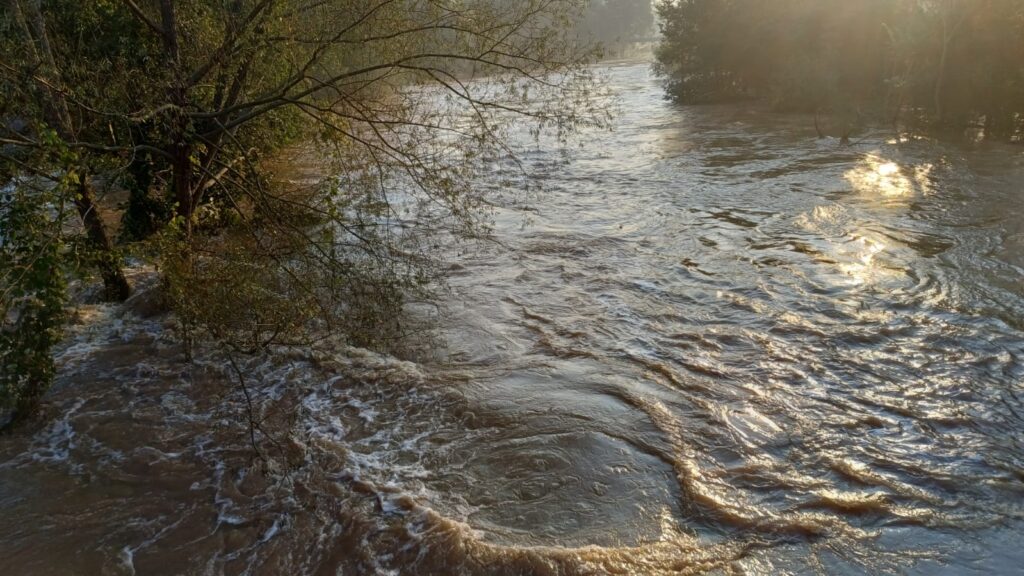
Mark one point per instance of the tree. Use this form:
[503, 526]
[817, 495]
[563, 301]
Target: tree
[615, 23]
[44, 97]
[182, 102]
[950, 64]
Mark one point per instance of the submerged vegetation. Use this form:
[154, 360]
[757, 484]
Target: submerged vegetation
[943, 65]
[175, 108]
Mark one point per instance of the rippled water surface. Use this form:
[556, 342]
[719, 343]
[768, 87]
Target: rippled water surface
[714, 344]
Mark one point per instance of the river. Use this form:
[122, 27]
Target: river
[714, 343]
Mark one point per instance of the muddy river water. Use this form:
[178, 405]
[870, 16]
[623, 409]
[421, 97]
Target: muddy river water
[714, 344]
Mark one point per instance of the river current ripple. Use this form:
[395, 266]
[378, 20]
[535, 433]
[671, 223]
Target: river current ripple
[713, 344]
[717, 323]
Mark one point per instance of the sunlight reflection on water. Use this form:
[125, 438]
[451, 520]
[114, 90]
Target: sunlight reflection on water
[878, 175]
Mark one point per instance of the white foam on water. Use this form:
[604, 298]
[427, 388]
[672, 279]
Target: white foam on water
[55, 443]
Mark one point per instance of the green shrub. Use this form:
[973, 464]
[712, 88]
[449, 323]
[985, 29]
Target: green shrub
[33, 295]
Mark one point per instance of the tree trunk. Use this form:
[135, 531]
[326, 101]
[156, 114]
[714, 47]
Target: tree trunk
[940, 78]
[116, 287]
[181, 167]
[114, 282]
[180, 151]
[949, 34]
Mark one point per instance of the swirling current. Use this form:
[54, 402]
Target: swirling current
[714, 343]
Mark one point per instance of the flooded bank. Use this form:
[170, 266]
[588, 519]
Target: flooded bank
[713, 344]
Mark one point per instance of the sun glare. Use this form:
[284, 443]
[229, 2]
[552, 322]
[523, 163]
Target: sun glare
[879, 176]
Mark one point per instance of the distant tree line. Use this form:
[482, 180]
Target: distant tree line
[945, 65]
[616, 24]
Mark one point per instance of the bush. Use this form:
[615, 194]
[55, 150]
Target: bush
[33, 296]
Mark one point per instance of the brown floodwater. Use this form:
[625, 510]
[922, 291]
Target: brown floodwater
[713, 344]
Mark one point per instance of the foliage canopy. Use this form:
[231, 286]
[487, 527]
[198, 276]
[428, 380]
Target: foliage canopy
[181, 103]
